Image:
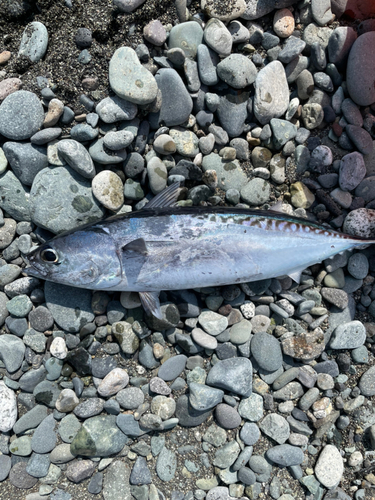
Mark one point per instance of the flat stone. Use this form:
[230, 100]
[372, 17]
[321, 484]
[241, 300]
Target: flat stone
[227, 416]
[217, 37]
[19, 477]
[116, 481]
[128, 425]
[305, 346]
[14, 197]
[276, 427]
[285, 455]
[12, 351]
[5, 466]
[352, 171]
[172, 367]
[176, 101]
[229, 172]
[361, 61]
[21, 115]
[129, 79]
[234, 374]
[266, 350]
[98, 436]
[329, 467]
[79, 471]
[44, 438]
[77, 157]
[166, 464]
[116, 380]
[271, 92]
[186, 36]
[256, 192]
[348, 336]
[367, 382]
[70, 307]
[26, 160]
[34, 42]
[189, 416]
[202, 397]
[237, 71]
[38, 465]
[8, 409]
[62, 187]
[46, 392]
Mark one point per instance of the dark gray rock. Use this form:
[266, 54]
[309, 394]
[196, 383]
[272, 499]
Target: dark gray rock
[26, 160]
[234, 374]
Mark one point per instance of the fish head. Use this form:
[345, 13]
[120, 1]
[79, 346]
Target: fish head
[84, 258]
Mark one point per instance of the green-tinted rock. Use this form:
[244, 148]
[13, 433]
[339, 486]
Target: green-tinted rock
[98, 436]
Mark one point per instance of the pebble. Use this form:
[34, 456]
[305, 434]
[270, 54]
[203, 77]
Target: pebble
[329, 467]
[203, 398]
[285, 455]
[256, 192]
[352, 171]
[271, 98]
[186, 36]
[227, 416]
[237, 71]
[26, 160]
[113, 109]
[79, 204]
[283, 23]
[166, 464]
[361, 61]
[19, 477]
[154, 32]
[266, 350]
[98, 436]
[34, 42]
[21, 115]
[172, 367]
[129, 79]
[217, 37]
[12, 351]
[360, 138]
[44, 438]
[176, 101]
[367, 382]
[113, 382]
[8, 410]
[77, 157]
[108, 190]
[234, 374]
[276, 427]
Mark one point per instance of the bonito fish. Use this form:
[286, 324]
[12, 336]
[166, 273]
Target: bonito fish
[163, 247]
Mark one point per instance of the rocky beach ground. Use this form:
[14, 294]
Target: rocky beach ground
[260, 390]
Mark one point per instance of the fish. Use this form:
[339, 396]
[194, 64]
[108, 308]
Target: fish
[166, 247]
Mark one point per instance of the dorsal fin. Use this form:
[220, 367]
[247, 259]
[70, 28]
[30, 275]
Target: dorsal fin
[166, 198]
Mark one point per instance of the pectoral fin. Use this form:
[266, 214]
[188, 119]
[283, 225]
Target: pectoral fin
[296, 275]
[151, 304]
[138, 246]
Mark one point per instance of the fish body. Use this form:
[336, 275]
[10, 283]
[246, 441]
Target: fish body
[170, 248]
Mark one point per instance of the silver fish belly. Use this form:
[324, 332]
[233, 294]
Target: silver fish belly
[166, 248]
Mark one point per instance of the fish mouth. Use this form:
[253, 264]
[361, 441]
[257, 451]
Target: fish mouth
[33, 269]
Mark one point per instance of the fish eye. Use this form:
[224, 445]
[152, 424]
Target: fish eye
[49, 255]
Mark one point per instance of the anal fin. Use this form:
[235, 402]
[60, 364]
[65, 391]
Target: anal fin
[151, 303]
